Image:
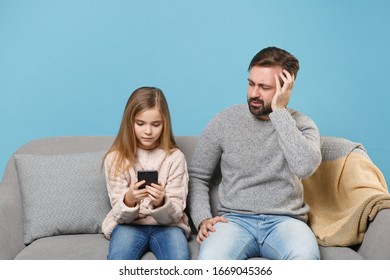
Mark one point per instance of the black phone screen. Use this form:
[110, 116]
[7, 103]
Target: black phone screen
[150, 176]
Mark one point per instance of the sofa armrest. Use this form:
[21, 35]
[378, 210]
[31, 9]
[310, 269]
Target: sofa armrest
[11, 216]
[376, 243]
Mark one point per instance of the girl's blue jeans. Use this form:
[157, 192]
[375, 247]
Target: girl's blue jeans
[131, 242]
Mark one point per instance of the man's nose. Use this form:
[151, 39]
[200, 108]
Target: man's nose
[255, 93]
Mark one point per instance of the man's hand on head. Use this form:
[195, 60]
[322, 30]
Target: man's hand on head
[283, 93]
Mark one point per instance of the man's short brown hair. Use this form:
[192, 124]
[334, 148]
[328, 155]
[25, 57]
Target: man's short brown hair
[273, 56]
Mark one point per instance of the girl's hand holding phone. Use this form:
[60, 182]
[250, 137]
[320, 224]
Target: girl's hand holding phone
[156, 194]
[134, 195]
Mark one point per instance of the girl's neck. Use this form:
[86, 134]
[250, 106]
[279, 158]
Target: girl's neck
[148, 148]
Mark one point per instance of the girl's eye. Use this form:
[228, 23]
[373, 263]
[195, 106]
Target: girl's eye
[156, 124]
[139, 123]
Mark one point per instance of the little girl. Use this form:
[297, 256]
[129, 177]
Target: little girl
[151, 218]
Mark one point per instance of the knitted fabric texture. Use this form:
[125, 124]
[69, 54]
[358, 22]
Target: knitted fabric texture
[172, 174]
[261, 163]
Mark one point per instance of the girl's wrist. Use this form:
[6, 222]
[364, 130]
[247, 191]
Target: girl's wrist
[128, 202]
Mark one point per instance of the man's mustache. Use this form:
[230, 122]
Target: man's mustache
[256, 99]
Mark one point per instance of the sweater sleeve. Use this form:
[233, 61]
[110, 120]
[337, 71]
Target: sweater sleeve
[176, 192]
[299, 139]
[203, 163]
[117, 186]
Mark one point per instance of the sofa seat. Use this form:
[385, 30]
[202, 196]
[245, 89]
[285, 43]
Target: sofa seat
[339, 253]
[95, 247]
[67, 247]
[80, 247]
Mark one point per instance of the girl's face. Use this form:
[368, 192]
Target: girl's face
[148, 126]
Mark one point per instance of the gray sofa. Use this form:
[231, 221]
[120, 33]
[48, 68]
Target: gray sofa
[18, 229]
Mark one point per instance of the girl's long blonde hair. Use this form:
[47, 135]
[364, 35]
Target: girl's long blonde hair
[125, 143]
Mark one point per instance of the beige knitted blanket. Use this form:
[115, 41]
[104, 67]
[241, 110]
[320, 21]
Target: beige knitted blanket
[344, 194]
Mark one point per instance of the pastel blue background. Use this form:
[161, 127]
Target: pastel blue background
[68, 67]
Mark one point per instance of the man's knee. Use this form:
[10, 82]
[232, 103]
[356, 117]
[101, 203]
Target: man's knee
[309, 253]
[229, 242]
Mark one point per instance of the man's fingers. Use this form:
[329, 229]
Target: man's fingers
[287, 78]
[288, 75]
[202, 234]
[277, 83]
[208, 226]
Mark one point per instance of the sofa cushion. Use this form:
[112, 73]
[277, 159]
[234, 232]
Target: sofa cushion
[339, 253]
[81, 247]
[67, 247]
[62, 194]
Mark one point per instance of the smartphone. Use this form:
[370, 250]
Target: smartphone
[150, 176]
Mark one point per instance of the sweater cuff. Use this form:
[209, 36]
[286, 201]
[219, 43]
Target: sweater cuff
[124, 214]
[198, 219]
[282, 114]
[163, 213]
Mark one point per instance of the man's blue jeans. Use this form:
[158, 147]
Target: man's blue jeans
[131, 242]
[266, 236]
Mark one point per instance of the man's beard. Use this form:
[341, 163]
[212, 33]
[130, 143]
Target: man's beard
[259, 111]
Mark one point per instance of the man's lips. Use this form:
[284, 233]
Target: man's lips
[256, 103]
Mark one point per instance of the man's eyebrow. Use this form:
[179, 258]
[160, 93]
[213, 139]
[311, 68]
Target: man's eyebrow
[260, 84]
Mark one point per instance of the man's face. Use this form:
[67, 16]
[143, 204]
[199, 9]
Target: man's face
[261, 90]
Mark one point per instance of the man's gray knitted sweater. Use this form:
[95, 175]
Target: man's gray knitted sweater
[262, 163]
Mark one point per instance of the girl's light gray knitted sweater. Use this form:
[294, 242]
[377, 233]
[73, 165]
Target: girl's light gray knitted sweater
[262, 163]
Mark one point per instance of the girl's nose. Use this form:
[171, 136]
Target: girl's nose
[148, 129]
